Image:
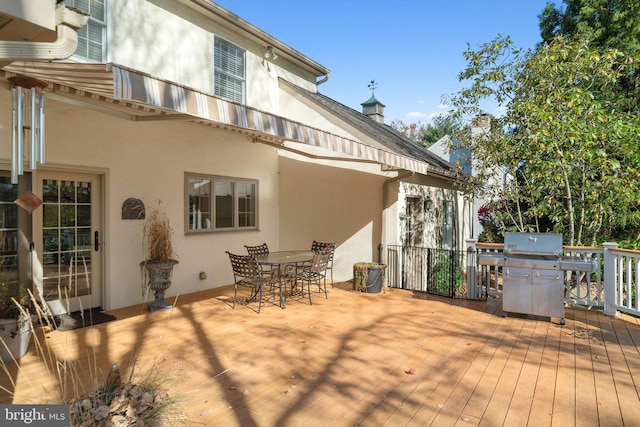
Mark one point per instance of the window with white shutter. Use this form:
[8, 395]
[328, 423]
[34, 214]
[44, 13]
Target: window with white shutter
[229, 66]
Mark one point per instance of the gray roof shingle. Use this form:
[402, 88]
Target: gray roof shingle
[383, 134]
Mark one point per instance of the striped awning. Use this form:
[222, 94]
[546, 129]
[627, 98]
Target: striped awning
[115, 83]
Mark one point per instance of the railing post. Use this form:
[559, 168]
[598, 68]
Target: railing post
[609, 279]
[472, 279]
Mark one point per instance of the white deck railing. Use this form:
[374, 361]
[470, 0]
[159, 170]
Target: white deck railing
[613, 286]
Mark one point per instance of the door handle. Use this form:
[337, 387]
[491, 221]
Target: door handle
[96, 240]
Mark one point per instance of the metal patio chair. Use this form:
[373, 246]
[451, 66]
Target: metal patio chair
[326, 247]
[262, 249]
[314, 271]
[247, 273]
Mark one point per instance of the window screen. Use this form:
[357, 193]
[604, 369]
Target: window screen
[229, 76]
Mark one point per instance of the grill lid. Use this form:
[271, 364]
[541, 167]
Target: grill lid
[533, 245]
[535, 250]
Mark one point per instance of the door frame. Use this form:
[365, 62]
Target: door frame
[97, 178]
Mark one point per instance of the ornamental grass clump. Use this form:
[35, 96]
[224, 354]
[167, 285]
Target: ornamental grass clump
[156, 242]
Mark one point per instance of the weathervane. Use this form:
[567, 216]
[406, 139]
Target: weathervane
[373, 85]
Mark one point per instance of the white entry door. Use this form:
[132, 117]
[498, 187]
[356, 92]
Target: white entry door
[67, 237]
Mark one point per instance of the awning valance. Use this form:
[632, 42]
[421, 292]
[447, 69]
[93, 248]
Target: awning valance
[117, 83]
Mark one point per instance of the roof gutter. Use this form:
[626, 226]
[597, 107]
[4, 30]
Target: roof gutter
[68, 21]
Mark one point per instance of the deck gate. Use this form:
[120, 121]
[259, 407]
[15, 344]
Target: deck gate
[435, 271]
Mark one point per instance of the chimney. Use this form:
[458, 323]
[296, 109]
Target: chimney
[480, 125]
[373, 108]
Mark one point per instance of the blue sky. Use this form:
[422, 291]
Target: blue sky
[411, 48]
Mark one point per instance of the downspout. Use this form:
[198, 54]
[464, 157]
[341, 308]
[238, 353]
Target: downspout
[385, 194]
[324, 79]
[63, 47]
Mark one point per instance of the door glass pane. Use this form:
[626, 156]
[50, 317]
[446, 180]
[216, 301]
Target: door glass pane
[8, 215]
[224, 191]
[67, 215]
[84, 193]
[84, 215]
[8, 232]
[50, 190]
[66, 241]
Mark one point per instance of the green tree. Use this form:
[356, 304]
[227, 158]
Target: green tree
[569, 154]
[608, 24]
[439, 126]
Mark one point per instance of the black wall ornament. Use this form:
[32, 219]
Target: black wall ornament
[133, 208]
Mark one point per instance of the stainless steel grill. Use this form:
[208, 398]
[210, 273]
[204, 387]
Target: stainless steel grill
[533, 270]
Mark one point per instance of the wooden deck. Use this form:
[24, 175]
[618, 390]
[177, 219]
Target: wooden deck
[391, 359]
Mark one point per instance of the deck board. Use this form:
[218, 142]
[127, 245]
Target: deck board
[607, 400]
[586, 403]
[564, 402]
[343, 361]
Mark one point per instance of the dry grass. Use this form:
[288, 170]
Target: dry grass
[139, 397]
[157, 240]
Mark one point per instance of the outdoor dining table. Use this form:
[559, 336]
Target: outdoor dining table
[278, 261]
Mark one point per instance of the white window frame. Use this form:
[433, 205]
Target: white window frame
[201, 208]
[222, 72]
[92, 24]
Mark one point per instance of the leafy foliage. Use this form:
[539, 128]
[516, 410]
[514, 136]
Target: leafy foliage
[563, 152]
[607, 24]
[440, 125]
[492, 225]
[447, 276]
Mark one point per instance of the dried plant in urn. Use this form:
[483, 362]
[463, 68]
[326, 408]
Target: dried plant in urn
[159, 257]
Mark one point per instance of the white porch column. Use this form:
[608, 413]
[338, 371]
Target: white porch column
[472, 279]
[609, 279]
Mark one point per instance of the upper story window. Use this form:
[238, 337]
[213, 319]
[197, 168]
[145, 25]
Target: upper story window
[91, 37]
[220, 203]
[229, 66]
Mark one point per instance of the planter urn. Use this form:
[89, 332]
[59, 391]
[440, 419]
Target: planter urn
[16, 335]
[159, 275]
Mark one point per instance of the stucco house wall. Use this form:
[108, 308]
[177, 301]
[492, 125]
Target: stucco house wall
[305, 192]
[325, 203]
[148, 160]
[169, 41]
